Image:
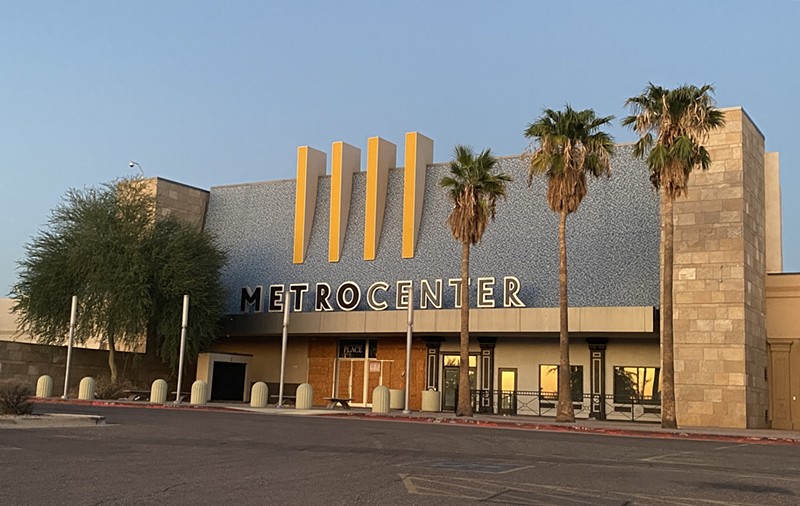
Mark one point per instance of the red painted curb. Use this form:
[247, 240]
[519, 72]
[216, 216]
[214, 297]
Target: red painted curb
[652, 434]
[498, 424]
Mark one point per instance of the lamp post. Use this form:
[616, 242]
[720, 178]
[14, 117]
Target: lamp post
[72, 318]
[184, 324]
[284, 338]
[133, 164]
[409, 332]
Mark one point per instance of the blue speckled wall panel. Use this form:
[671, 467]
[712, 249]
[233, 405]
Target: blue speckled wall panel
[612, 240]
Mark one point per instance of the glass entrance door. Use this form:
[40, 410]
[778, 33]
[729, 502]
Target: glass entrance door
[450, 387]
[450, 379]
[508, 392]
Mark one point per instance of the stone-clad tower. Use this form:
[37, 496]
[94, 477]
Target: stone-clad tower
[720, 275]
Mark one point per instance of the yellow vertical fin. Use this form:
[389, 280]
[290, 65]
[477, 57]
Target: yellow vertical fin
[310, 166]
[345, 161]
[381, 156]
[419, 154]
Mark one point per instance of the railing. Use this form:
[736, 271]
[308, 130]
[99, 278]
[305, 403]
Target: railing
[533, 403]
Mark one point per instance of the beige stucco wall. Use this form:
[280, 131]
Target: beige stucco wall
[783, 333]
[9, 332]
[8, 323]
[783, 306]
[487, 321]
[527, 354]
[772, 201]
[266, 352]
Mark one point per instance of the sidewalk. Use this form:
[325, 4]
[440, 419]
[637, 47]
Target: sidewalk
[586, 426]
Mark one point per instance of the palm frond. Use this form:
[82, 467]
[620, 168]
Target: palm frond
[473, 188]
[675, 124]
[569, 145]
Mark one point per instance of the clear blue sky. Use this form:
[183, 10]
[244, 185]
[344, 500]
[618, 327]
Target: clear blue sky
[212, 93]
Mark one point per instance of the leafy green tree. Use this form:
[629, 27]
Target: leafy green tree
[105, 246]
[183, 260]
[474, 189]
[673, 125]
[569, 146]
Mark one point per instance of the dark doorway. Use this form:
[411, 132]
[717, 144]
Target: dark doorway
[450, 373]
[450, 388]
[228, 382]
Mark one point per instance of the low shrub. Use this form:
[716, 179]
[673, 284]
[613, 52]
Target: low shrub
[15, 398]
[104, 389]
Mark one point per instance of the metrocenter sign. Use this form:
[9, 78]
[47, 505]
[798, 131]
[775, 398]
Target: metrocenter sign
[347, 296]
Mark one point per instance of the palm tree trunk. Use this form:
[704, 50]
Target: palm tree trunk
[565, 412]
[112, 359]
[464, 407]
[668, 415]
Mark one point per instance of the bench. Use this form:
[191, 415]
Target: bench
[342, 401]
[289, 393]
[135, 395]
[288, 400]
[184, 396]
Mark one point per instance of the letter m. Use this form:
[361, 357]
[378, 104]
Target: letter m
[251, 298]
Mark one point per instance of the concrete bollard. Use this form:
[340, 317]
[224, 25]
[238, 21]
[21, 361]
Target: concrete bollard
[431, 401]
[259, 395]
[397, 398]
[380, 399]
[44, 386]
[86, 389]
[305, 396]
[158, 392]
[199, 393]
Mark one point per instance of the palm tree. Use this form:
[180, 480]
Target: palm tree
[473, 189]
[569, 145]
[672, 125]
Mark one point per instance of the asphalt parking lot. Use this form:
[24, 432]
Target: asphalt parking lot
[159, 456]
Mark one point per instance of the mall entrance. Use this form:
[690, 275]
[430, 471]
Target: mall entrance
[359, 371]
[450, 367]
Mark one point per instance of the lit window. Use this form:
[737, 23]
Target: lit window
[637, 384]
[455, 361]
[548, 382]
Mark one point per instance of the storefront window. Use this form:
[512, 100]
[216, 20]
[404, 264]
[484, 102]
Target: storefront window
[548, 382]
[358, 348]
[637, 384]
[455, 361]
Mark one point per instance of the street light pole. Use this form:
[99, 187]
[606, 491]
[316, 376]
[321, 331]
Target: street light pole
[72, 318]
[409, 332]
[133, 164]
[184, 324]
[284, 339]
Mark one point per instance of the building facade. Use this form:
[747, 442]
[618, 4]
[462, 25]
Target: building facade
[350, 249]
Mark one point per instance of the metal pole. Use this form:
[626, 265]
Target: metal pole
[286, 310]
[184, 324]
[409, 331]
[72, 317]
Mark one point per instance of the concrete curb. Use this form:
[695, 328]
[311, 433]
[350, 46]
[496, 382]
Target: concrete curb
[133, 404]
[51, 420]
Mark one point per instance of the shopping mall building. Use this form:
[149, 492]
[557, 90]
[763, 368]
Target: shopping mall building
[353, 245]
[347, 248]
